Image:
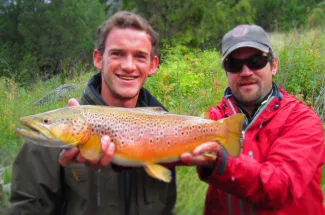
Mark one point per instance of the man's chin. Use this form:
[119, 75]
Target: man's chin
[248, 100]
[128, 95]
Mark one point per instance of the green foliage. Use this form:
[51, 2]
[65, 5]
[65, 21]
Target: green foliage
[49, 32]
[193, 22]
[191, 192]
[317, 16]
[302, 62]
[189, 81]
[53, 36]
[281, 15]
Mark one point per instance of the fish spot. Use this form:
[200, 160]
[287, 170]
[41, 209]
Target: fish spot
[169, 142]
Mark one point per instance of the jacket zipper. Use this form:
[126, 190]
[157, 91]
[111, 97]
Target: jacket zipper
[240, 202]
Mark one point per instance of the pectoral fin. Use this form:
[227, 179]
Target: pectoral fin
[159, 172]
[92, 149]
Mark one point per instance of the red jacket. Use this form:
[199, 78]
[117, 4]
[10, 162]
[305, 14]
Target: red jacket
[279, 169]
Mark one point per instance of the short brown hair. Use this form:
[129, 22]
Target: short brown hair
[125, 19]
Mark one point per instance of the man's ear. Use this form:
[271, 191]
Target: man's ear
[275, 63]
[97, 59]
[153, 66]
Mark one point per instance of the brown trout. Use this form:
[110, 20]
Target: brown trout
[142, 136]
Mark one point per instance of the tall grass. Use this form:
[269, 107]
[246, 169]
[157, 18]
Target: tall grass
[188, 82]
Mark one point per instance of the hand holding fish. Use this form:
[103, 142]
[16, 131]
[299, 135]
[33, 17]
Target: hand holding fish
[204, 154]
[73, 154]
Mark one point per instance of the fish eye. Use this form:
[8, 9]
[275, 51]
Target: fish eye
[46, 121]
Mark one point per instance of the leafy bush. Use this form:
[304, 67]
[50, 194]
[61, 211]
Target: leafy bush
[316, 18]
[302, 63]
[188, 80]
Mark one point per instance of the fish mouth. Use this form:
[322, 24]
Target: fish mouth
[39, 135]
[38, 138]
[34, 129]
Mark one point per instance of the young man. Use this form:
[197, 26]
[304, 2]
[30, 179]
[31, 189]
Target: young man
[126, 55]
[279, 169]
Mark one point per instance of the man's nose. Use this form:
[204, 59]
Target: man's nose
[245, 71]
[128, 64]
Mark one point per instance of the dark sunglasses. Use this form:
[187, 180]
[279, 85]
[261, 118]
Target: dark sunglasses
[254, 62]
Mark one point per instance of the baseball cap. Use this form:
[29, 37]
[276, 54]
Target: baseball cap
[245, 36]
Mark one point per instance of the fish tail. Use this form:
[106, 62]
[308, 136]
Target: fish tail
[232, 127]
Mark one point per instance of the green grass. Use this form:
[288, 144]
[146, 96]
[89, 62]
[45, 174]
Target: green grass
[191, 192]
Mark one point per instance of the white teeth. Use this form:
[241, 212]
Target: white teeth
[126, 77]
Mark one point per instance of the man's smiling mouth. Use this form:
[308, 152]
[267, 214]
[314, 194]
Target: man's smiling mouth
[126, 77]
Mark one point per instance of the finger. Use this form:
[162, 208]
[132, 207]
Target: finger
[108, 151]
[187, 158]
[66, 156]
[80, 158]
[73, 102]
[206, 148]
[201, 160]
[190, 159]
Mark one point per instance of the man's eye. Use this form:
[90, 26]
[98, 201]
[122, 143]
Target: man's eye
[116, 53]
[141, 56]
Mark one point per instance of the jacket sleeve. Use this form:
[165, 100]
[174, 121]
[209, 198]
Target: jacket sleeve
[289, 166]
[36, 186]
